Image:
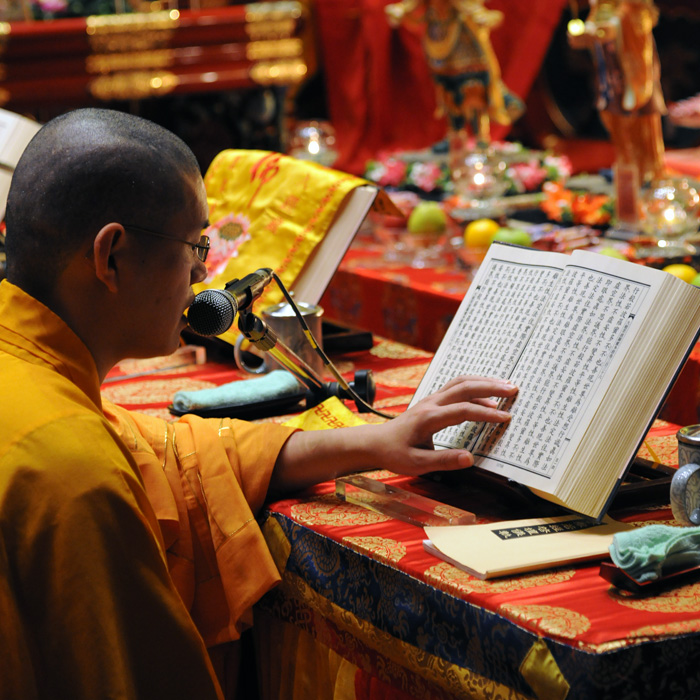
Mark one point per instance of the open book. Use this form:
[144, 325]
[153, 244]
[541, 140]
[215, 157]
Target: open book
[593, 343]
[318, 270]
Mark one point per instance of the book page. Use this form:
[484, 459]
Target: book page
[492, 326]
[561, 369]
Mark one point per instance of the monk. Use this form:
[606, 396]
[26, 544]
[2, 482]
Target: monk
[129, 547]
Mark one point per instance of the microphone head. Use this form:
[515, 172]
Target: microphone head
[212, 312]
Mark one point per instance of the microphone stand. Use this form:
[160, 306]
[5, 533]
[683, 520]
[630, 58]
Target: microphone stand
[265, 339]
[259, 334]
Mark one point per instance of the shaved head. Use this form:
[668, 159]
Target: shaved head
[81, 171]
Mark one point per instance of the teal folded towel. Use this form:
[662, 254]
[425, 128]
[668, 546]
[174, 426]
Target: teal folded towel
[650, 552]
[277, 384]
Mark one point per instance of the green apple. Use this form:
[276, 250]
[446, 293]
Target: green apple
[427, 217]
[612, 253]
[696, 280]
[512, 235]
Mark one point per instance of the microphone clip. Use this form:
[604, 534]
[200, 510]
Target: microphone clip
[256, 330]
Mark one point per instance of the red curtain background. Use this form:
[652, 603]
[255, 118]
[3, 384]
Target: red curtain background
[380, 92]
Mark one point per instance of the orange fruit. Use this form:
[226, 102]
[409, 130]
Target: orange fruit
[684, 272]
[479, 233]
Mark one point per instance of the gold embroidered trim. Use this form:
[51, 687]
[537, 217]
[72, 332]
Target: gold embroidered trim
[107, 63]
[455, 679]
[134, 85]
[279, 29]
[174, 446]
[272, 11]
[5, 31]
[166, 438]
[134, 435]
[278, 73]
[264, 50]
[240, 527]
[139, 31]
[131, 22]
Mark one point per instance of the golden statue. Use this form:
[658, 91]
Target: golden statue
[465, 69]
[618, 33]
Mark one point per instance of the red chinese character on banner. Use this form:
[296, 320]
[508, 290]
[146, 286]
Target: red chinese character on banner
[264, 171]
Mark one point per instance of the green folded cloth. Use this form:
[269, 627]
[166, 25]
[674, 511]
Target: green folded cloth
[277, 384]
[653, 551]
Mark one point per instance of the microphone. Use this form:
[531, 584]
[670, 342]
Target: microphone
[213, 311]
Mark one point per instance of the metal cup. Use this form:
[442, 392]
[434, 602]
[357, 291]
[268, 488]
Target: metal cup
[282, 319]
[688, 445]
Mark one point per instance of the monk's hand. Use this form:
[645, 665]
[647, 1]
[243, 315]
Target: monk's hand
[407, 447]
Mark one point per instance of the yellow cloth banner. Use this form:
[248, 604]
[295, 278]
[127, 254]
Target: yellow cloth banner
[267, 210]
[332, 413]
[542, 673]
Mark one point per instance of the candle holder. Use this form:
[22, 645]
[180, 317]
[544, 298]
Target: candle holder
[669, 215]
[315, 141]
[479, 179]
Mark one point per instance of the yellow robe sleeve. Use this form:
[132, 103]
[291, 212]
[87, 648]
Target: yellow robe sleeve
[93, 612]
[206, 479]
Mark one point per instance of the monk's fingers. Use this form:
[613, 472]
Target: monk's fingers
[455, 413]
[489, 403]
[429, 460]
[469, 388]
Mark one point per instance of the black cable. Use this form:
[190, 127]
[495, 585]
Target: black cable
[326, 360]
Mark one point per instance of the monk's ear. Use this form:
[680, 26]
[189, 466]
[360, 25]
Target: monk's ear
[105, 253]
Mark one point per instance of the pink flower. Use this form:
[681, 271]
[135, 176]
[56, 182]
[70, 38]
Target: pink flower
[426, 175]
[560, 165]
[387, 171]
[226, 237]
[530, 174]
[394, 173]
[53, 5]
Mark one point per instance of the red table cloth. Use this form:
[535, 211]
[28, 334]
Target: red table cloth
[393, 621]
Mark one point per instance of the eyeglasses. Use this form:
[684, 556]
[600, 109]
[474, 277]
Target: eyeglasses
[200, 249]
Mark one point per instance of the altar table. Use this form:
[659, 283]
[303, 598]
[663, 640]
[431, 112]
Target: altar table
[407, 304]
[364, 612]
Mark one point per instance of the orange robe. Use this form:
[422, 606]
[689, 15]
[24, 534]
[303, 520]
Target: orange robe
[120, 559]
